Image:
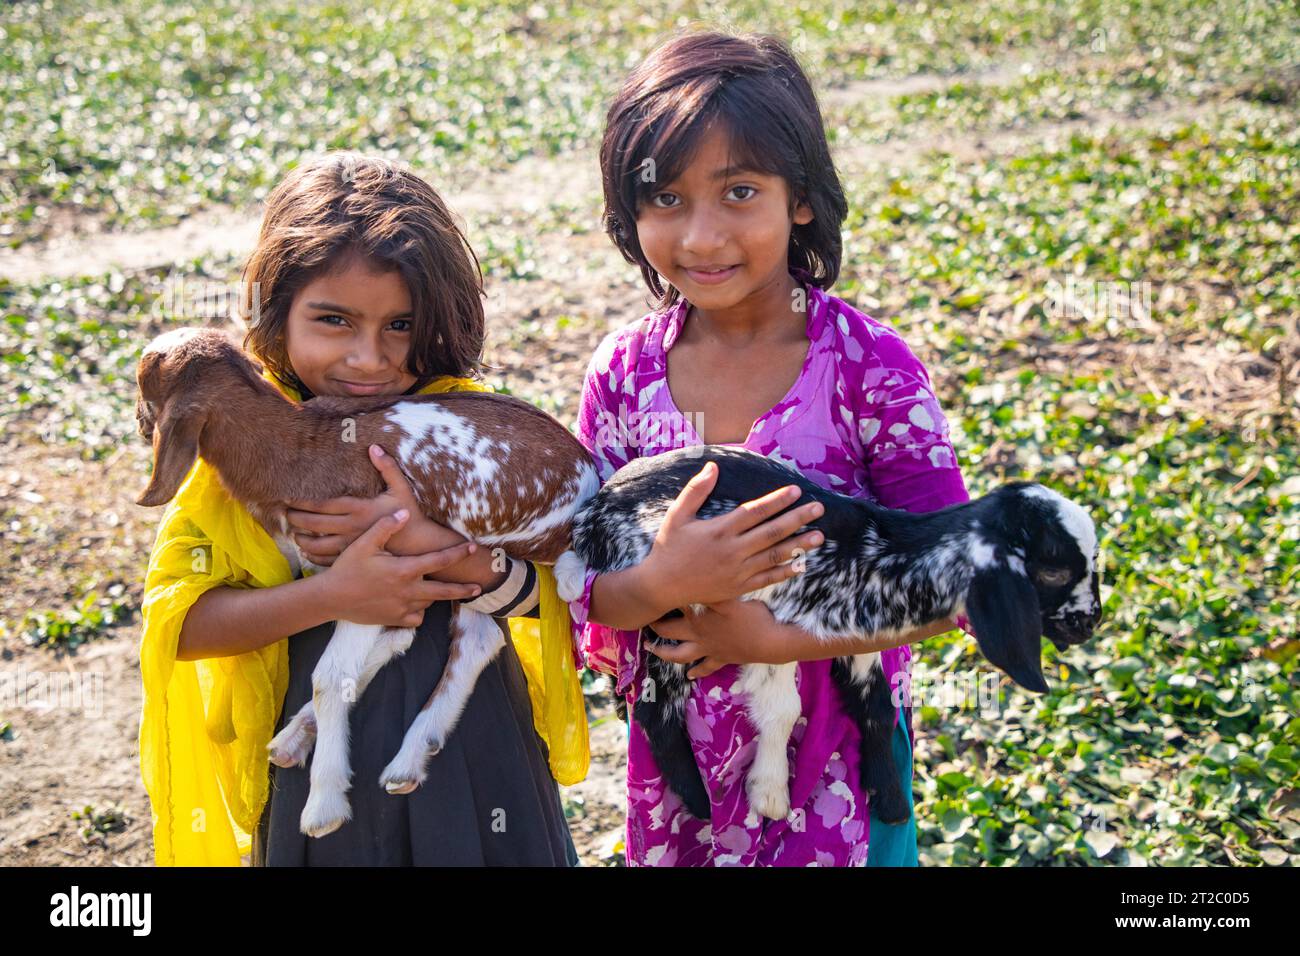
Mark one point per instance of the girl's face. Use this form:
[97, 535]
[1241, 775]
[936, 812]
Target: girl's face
[349, 333]
[718, 233]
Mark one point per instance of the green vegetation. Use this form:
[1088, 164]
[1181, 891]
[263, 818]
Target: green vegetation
[68, 629]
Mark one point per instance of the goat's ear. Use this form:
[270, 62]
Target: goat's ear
[175, 446]
[1003, 609]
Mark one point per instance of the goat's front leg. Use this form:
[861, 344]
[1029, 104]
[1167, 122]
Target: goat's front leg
[475, 641]
[773, 707]
[292, 745]
[352, 657]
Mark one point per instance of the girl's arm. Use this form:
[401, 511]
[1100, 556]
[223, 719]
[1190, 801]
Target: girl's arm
[226, 620]
[626, 599]
[799, 645]
[746, 632]
[366, 585]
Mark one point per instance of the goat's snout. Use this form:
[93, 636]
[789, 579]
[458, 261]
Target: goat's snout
[1071, 629]
[1074, 627]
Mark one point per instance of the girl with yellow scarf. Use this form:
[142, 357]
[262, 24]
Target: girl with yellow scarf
[360, 284]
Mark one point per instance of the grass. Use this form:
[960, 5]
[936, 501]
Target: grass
[144, 112]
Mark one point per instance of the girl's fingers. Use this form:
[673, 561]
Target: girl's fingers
[331, 506]
[375, 537]
[748, 514]
[775, 531]
[430, 591]
[326, 545]
[317, 523]
[780, 563]
[692, 496]
[686, 652]
[786, 550]
[704, 668]
[774, 575]
[388, 470]
[427, 563]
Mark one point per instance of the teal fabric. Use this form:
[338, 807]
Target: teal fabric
[895, 844]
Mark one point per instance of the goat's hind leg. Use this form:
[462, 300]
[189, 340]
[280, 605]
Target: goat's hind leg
[476, 639]
[660, 713]
[867, 698]
[352, 657]
[773, 706]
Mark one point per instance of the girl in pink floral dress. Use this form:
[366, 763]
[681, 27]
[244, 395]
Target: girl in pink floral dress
[719, 185]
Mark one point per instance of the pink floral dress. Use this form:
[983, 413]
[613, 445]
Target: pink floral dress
[861, 420]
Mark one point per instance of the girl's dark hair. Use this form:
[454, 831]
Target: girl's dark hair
[755, 87]
[345, 205]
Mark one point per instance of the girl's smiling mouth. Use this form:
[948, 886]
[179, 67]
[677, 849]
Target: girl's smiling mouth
[711, 275]
[362, 388]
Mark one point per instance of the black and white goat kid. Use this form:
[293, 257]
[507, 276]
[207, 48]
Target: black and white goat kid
[1020, 563]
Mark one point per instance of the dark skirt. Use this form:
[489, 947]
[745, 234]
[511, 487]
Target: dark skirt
[489, 799]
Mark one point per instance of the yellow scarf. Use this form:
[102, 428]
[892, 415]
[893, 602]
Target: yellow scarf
[205, 724]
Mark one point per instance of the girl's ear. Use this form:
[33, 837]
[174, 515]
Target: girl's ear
[803, 213]
[1003, 609]
[175, 447]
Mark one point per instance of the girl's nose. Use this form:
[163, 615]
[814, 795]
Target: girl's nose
[366, 355]
[702, 236]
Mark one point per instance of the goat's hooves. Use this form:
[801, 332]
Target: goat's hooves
[291, 746]
[282, 759]
[401, 776]
[771, 804]
[324, 814]
[405, 772]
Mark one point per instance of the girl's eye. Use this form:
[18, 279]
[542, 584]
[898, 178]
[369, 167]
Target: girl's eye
[751, 192]
[331, 319]
[401, 325]
[654, 200]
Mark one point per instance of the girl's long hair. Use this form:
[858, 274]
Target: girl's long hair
[754, 87]
[342, 206]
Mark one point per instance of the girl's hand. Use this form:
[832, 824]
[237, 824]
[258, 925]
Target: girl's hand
[323, 529]
[729, 632]
[709, 561]
[371, 586]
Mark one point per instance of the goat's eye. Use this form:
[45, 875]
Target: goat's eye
[1053, 577]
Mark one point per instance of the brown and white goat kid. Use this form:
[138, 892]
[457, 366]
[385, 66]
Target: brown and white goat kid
[494, 468]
